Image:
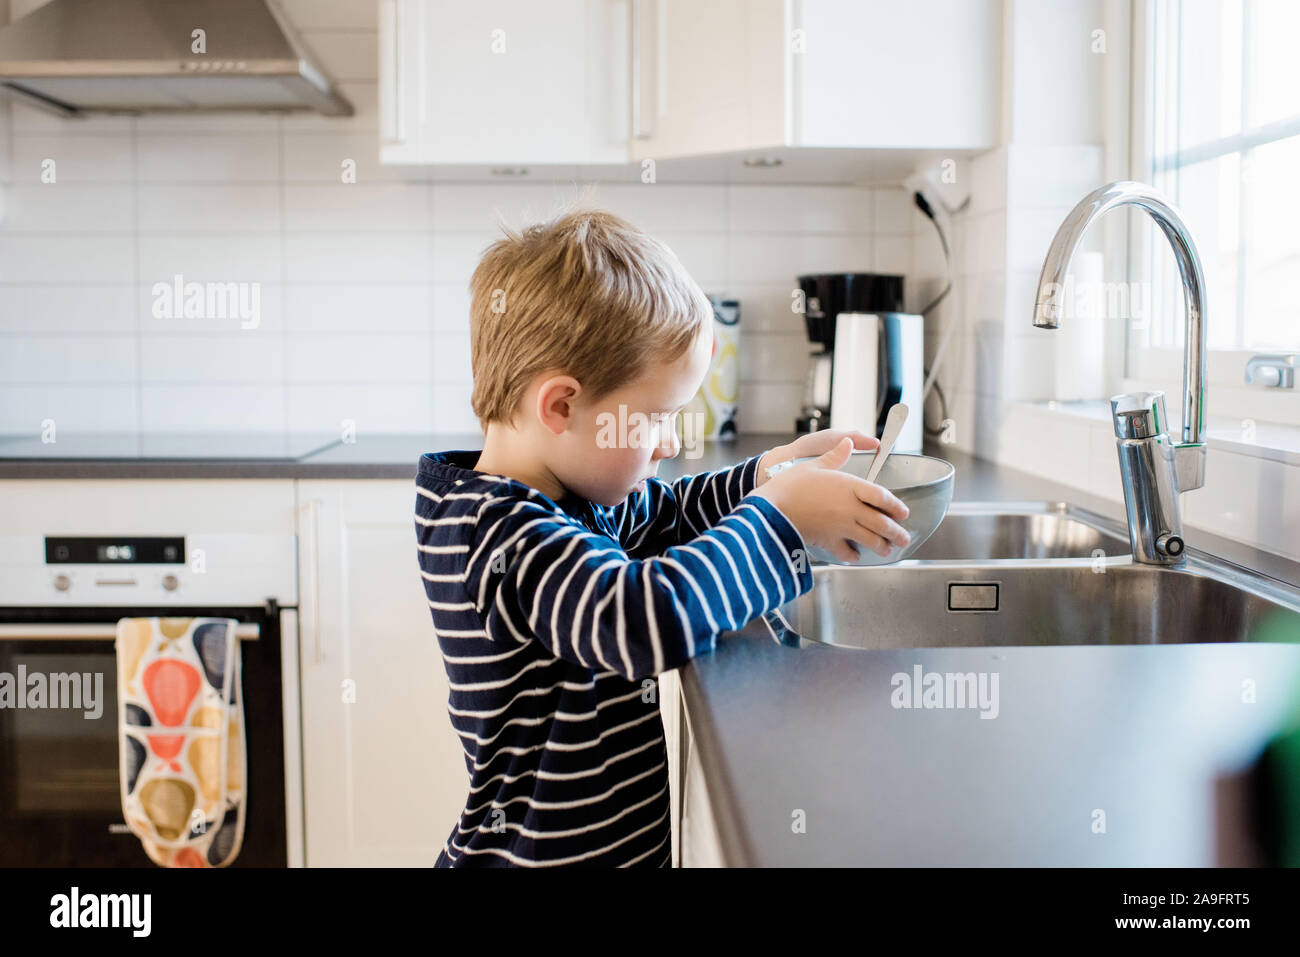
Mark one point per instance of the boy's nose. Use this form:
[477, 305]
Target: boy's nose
[668, 445]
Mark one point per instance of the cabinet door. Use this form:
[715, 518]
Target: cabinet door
[709, 76]
[384, 774]
[924, 74]
[725, 76]
[504, 81]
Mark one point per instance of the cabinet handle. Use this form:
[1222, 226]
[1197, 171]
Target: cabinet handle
[390, 43]
[637, 132]
[313, 573]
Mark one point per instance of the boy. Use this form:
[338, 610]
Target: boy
[563, 577]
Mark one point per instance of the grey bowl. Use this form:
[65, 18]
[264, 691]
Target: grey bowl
[922, 482]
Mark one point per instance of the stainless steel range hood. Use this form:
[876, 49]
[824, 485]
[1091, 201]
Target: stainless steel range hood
[79, 56]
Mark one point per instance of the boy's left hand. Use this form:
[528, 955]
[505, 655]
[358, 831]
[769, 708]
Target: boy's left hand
[814, 443]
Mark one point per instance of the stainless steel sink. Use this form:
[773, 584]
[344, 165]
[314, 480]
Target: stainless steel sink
[987, 593]
[1021, 530]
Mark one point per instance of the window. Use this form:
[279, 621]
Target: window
[1222, 127]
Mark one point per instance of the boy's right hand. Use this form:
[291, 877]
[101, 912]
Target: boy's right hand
[833, 509]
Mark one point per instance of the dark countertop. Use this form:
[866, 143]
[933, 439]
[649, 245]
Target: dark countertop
[1140, 732]
[256, 456]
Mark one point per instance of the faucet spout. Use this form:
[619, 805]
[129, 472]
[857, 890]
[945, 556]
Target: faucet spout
[1153, 468]
[1051, 282]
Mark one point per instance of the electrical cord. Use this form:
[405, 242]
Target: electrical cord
[925, 208]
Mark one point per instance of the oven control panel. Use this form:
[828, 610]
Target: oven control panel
[99, 550]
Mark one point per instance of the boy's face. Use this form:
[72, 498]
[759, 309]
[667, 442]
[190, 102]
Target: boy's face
[616, 443]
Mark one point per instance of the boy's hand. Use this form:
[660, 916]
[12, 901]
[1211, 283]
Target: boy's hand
[814, 443]
[833, 510]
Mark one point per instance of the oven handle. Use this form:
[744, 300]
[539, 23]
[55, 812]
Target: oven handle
[105, 631]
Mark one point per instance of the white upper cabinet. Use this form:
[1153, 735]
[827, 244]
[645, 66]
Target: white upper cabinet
[720, 76]
[709, 76]
[504, 81]
[615, 81]
[897, 74]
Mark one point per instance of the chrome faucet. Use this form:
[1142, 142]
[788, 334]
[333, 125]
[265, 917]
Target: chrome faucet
[1153, 468]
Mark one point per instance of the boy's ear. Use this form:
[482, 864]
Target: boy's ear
[555, 402]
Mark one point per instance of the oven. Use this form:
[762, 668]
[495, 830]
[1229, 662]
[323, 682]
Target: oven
[60, 799]
[61, 596]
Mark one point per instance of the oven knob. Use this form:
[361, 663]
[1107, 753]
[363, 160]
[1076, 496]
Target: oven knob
[170, 582]
[62, 582]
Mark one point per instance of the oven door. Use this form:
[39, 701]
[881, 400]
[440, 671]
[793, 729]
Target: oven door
[60, 798]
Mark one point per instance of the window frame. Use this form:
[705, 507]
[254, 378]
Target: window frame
[1146, 366]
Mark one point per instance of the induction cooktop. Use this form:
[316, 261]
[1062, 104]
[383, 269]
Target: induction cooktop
[163, 446]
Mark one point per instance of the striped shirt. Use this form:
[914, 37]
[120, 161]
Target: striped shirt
[554, 620]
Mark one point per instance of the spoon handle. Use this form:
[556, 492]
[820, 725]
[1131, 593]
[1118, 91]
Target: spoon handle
[893, 426]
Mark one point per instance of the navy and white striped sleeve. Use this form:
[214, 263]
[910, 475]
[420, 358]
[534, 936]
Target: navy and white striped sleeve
[533, 575]
[670, 514]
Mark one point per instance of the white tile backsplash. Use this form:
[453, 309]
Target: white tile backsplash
[373, 207]
[67, 360]
[252, 257]
[800, 209]
[215, 407]
[72, 157]
[73, 408]
[37, 257]
[375, 307]
[53, 308]
[377, 407]
[357, 357]
[364, 300]
[364, 257]
[245, 208]
[68, 208]
[254, 357]
[894, 212]
[189, 157]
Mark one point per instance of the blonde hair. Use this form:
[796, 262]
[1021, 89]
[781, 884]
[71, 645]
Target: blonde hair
[587, 293]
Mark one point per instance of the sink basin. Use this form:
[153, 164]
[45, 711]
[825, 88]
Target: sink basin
[1066, 602]
[1017, 574]
[1030, 530]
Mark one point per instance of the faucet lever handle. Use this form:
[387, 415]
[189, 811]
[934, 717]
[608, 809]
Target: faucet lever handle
[1139, 415]
[1189, 465]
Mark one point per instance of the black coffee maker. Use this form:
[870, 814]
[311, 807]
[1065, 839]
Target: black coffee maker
[870, 355]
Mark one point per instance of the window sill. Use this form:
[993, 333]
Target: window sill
[1277, 441]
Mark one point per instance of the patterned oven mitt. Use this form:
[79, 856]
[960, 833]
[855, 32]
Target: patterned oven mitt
[181, 737]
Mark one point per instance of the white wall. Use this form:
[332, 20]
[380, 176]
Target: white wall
[363, 287]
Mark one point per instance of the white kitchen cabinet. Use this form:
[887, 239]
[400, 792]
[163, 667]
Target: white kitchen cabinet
[504, 81]
[697, 841]
[710, 76]
[384, 774]
[730, 75]
[614, 81]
